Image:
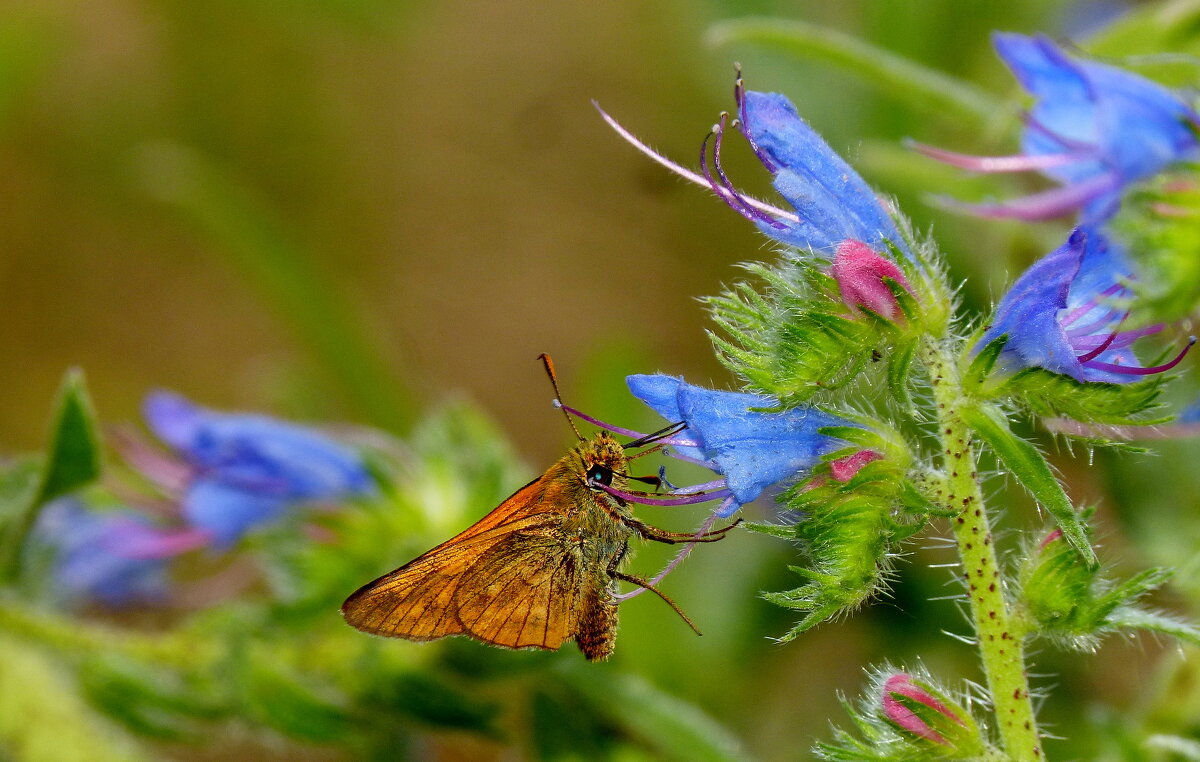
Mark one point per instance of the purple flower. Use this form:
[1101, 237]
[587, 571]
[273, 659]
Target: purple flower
[727, 433]
[115, 558]
[241, 471]
[1062, 315]
[1094, 128]
[832, 203]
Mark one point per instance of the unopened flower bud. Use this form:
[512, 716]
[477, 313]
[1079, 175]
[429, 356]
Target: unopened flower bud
[844, 469]
[928, 718]
[861, 274]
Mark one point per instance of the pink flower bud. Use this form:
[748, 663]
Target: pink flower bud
[901, 713]
[860, 273]
[844, 469]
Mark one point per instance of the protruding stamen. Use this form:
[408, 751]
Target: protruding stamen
[1127, 370]
[684, 172]
[670, 567]
[992, 164]
[1038, 206]
[742, 124]
[1090, 305]
[1099, 350]
[723, 193]
[729, 186]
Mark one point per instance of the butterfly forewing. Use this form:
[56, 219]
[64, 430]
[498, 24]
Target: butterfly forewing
[523, 592]
[480, 582]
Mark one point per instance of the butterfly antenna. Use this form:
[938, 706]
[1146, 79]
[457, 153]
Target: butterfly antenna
[545, 358]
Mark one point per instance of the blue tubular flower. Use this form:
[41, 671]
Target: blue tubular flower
[1059, 315]
[114, 558]
[832, 203]
[246, 470]
[1094, 128]
[751, 450]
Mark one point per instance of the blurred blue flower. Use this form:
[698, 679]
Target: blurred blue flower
[115, 558]
[1094, 128]
[246, 470]
[1061, 315]
[725, 432]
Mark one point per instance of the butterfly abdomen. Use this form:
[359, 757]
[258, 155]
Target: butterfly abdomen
[597, 633]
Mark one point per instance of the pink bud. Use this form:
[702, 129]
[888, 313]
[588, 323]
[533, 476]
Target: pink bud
[844, 469]
[860, 274]
[902, 685]
[1056, 534]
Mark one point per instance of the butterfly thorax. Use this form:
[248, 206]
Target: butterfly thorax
[591, 515]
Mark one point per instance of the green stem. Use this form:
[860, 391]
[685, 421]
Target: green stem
[1000, 634]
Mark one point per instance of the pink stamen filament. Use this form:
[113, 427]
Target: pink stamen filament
[729, 186]
[1099, 349]
[990, 164]
[1091, 304]
[1127, 370]
[1040, 206]
[686, 173]
[1121, 340]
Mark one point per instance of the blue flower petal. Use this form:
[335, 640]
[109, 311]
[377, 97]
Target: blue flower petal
[227, 511]
[753, 450]
[1029, 312]
[173, 419]
[833, 203]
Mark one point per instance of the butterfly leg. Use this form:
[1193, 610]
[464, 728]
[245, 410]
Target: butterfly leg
[673, 538]
[615, 574]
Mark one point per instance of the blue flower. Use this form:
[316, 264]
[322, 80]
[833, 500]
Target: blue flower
[725, 431]
[1094, 128]
[1061, 315]
[832, 203]
[115, 558]
[246, 470]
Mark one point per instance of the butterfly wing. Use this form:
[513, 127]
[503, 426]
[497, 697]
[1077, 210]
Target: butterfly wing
[510, 579]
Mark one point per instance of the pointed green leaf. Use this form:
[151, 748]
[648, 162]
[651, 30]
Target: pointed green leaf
[74, 457]
[72, 461]
[921, 87]
[1030, 469]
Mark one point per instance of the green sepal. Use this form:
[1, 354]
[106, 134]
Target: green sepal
[1030, 469]
[1055, 395]
[899, 367]
[979, 370]
[1137, 618]
[73, 460]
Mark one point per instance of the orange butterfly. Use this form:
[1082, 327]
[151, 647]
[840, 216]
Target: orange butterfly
[539, 570]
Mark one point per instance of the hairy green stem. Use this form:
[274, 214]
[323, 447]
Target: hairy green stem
[999, 634]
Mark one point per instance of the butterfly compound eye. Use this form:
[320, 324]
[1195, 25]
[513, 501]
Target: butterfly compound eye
[598, 474]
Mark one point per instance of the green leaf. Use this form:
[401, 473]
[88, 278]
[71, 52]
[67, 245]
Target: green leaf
[74, 457]
[72, 461]
[1030, 469]
[920, 87]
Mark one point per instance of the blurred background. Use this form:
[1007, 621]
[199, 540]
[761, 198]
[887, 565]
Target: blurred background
[359, 211]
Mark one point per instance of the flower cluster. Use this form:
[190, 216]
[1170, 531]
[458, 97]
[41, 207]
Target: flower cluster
[229, 474]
